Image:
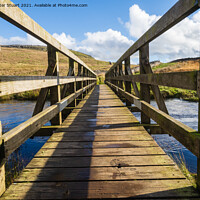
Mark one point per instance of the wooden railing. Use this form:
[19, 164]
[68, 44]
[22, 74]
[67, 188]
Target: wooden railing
[121, 79]
[63, 90]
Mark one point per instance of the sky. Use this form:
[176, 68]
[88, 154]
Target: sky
[105, 29]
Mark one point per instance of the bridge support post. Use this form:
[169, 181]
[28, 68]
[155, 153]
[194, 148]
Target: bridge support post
[44, 91]
[55, 95]
[84, 82]
[144, 88]
[72, 86]
[127, 83]
[79, 84]
[198, 157]
[2, 165]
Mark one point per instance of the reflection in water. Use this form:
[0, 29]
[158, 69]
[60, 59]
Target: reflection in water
[187, 113]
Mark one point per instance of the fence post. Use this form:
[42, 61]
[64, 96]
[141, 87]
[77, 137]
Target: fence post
[44, 91]
[127, 83]
[144, 88]
[120, 74]
[79, 84]
[72, 86]
[198, 157]
[55, 95]
[2, 165]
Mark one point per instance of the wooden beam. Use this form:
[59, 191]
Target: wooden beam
[44, 91]
[129, 72]
[15, 137]
[134, 109]
[46, 131]
[127, 84]
[2, 165]
[177, 13]
[154, 129]
[17, 17]
[156, 91]
[70, 73]
[184, 80]
[184, 134]
[144, 88]
[55, 95]
[16, 84]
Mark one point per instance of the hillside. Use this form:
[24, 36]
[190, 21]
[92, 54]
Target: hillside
[32, 60]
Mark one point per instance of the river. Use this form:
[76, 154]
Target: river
[12, 113]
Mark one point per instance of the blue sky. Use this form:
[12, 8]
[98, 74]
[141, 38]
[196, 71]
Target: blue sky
[113, 24]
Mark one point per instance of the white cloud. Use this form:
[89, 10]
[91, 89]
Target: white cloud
[66, 40]
[178, 42]
[28, 40]
[140, 21]
[107, 45]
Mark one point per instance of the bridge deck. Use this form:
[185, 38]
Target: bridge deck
[101, 151]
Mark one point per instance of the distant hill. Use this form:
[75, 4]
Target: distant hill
[32, 60]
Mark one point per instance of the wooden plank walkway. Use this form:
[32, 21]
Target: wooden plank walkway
[101, 151]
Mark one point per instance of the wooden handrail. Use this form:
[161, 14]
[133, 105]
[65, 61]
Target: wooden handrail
[184, 80]
[15, 84]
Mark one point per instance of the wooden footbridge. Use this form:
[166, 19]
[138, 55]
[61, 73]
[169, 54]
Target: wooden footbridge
[99, 150]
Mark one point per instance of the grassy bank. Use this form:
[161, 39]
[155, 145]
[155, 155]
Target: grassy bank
[169, 92]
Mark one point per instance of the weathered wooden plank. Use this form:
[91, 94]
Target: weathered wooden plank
[109, 161]
[92, 122]
[110, 144]
[178, 12]
[100, 174]
[184, 134]
[15, 137]
[45, 152]
[81, 138]
[17, 17]
[184, 80]
[101, 133]
[140, 189]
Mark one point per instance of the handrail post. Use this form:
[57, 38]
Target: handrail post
[55, 95]
[127, 83]
[198, 157]
[44, 91]
[84, 82]
[120, 74]
[79, 84]
[72, 87]
[198, 173]
[2, 165]
[144, 88]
